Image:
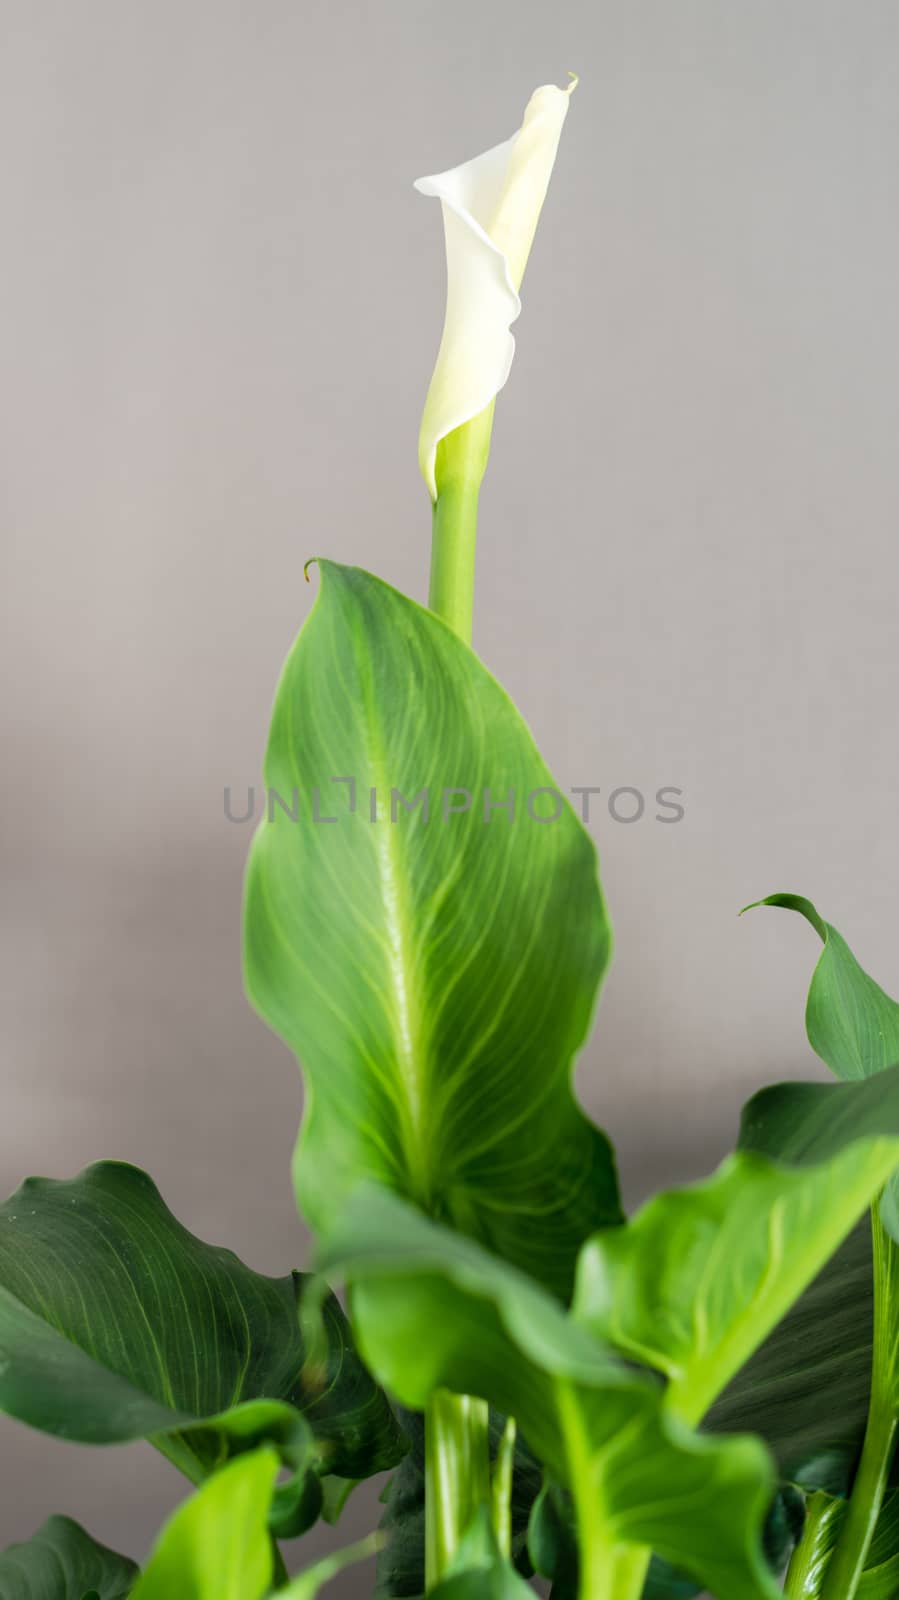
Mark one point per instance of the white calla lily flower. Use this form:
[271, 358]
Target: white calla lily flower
[491, 207]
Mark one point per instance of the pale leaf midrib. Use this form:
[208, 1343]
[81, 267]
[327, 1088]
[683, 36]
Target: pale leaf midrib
[408, 1022]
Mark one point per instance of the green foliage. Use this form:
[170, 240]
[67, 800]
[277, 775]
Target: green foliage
[479, 1571]
[552, 1541]
[826, 1516]
[401, 1563]
[433, 1310]
[62, 1562]
[822, 1347]
[695, 1282]
[854, 1027]
[436, 976]
[117, 1324]
[851, 1023]
[217, 1545]
[425, 928]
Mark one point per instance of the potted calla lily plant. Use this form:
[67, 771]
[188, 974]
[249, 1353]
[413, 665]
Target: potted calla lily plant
[701, 1397]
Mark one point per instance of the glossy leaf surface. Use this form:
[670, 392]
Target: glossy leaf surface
[116, 1324]
[434, 971]
[702, 1274]
[62, 1562]
[822, 1346]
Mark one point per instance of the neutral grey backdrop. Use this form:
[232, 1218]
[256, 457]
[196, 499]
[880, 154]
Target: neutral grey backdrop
[221, 301]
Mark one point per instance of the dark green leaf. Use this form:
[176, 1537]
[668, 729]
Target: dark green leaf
[335, 1494]
[664, 1582]
[822, 1347]
[116, 1324]
[401, 1563]
[435, 977]
[434, 1310]
[702, 1274]
[62, 1562]
[552, 1541]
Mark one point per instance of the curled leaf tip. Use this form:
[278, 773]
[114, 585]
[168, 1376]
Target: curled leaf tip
[575, 80]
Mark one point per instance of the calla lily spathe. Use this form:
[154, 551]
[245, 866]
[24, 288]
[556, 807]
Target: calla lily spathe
[491, 207]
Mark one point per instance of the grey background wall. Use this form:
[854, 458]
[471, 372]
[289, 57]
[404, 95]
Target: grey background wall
[221, 302]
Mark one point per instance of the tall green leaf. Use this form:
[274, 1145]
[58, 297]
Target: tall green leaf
[62, 1562]
[117, 1324]
[434, 1310]
[552, 1541]
[434, 970]
[702, 1274]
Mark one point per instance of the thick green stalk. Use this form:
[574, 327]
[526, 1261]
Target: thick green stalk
[461, 463]
[847, 1563]
[457, 1475]
[501, 1489]
[804, 1572]
[457, 1450]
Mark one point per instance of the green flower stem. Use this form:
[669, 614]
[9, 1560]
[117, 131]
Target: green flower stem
[457, 1475]
[457, 1451]
[847, 1563]
[804, 1572]
[461, 464]
[501, 1489]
